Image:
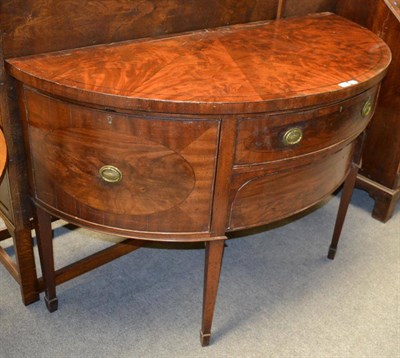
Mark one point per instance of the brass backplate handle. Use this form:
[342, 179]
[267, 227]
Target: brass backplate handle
[367, 108]
[292, 136]
[110, 174]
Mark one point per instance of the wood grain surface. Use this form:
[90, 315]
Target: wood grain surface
[298, 7]
[394, 6]
[198, 162]
[15, 204]
[3, 154]
[37, 26]
[267, 196]
[382, 150]
[260, 139]
[167, 165]
[380, 170]
[284, 64]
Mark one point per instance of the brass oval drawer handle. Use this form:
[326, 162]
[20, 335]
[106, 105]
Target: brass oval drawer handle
[367, 108]
[292, 136]
[110, 174]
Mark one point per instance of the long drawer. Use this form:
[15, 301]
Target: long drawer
[278, 136]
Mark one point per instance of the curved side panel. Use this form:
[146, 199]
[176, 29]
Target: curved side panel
[271, 197]
[160, 171]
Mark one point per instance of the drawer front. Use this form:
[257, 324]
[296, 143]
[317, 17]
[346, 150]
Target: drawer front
[142, 174]
[269, 195]
[279, 136]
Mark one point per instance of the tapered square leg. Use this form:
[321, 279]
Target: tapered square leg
[45, 245]
[347, 192]
[343, 206]
[212, 270]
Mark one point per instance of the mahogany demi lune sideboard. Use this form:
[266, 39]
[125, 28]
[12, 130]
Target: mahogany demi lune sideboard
[188, 137]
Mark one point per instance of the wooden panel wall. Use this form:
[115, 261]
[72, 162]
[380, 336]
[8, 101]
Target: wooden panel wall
[303, 7]
[35, 26]
[381, 156]
[360, 11]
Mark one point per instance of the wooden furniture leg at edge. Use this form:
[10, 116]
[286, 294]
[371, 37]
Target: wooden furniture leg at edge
[385, 198]
[23, 270]
[44, 237]
[23, 244]
[212, 269]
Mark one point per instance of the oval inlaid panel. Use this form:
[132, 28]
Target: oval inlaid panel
[154, 177]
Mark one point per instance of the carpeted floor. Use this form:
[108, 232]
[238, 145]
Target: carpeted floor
[279, 296]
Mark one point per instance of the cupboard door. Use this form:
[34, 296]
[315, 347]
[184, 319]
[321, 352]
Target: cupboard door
[125, 171]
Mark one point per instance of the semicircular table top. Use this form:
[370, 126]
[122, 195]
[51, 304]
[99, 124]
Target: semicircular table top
[248, 67]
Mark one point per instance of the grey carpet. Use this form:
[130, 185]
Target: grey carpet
[279, 296]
